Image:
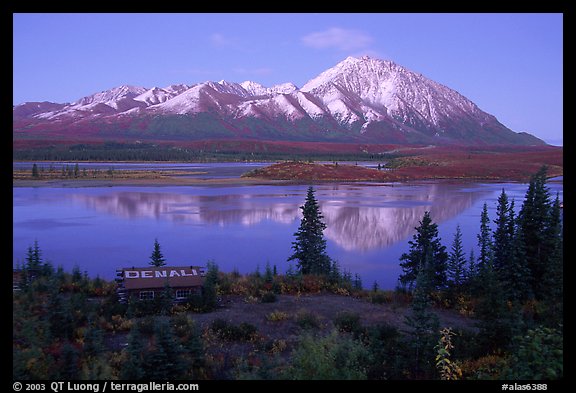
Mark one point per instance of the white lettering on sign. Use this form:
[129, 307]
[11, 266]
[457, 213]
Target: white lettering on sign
[161, 273]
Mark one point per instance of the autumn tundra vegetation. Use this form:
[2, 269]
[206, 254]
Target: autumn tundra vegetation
[493, 314]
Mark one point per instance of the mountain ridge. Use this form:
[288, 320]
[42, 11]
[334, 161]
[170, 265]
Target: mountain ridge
[358, 100]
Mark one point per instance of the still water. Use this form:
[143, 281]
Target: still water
[244, 227]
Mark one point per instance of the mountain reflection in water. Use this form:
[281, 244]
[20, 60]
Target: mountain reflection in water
[358, 217]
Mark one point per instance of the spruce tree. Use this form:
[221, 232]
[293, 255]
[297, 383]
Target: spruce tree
[33, 258]
[423, 322]
[534, 221]
[515, 275]
[68, 362]
[164, 360]
[503, 233]
[133, 367]
[157, 259]
[93, 341]
[509, 260]
[457, 263]
[491, 310]
[209, 289]
[193, 350]
[35, 173]
[310, 245]
[484, 239]
[553, 281]
[425, 250]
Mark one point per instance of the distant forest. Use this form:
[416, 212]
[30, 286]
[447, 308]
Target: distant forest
[115, 151]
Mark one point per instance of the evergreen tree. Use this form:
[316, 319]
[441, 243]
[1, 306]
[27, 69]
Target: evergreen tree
[68, 362]
[33, 258]
[268, 274]
[193, 350]
[164, 301]
[93, 341]
[357, 282]
[133, 367]
[472, 268]
[157, 259]
[509, 259]
[515, 275]
[96, 369]
[60, 315]
[310, 245]
[553, 282]
[456, 263]
[35, 173]
[423, 321]
[492, 311]
[164, 360]
[209, 289]
[503, 233]
[426, 251]
[534, 221]
[485, 239]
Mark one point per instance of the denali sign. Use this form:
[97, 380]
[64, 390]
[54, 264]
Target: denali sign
[162, 273]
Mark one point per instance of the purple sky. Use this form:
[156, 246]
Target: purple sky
[510, 65]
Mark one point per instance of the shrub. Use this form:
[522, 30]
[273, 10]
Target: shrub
[312, 283]
[277, 316]
[120, 323]
[182, 324]
[229, 332]
[328, 358]
[146, 325]
[272, 346]
[380, 297]
[485, 367]
[307, 320]
[269, 297]
[348, 322]
[388, 351]
[538, 355]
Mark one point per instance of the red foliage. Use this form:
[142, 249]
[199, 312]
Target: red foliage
[436, 163]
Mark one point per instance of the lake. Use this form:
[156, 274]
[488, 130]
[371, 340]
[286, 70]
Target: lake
[244, 227]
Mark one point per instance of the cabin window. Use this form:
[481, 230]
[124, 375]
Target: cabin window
[146, 295]
[182, 293]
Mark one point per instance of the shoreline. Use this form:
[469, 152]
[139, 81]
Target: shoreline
[150, 182]
[216, 182]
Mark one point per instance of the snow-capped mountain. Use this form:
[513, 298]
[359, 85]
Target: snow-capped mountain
[359, 99]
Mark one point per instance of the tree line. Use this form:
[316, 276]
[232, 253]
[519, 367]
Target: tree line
[116, 151]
